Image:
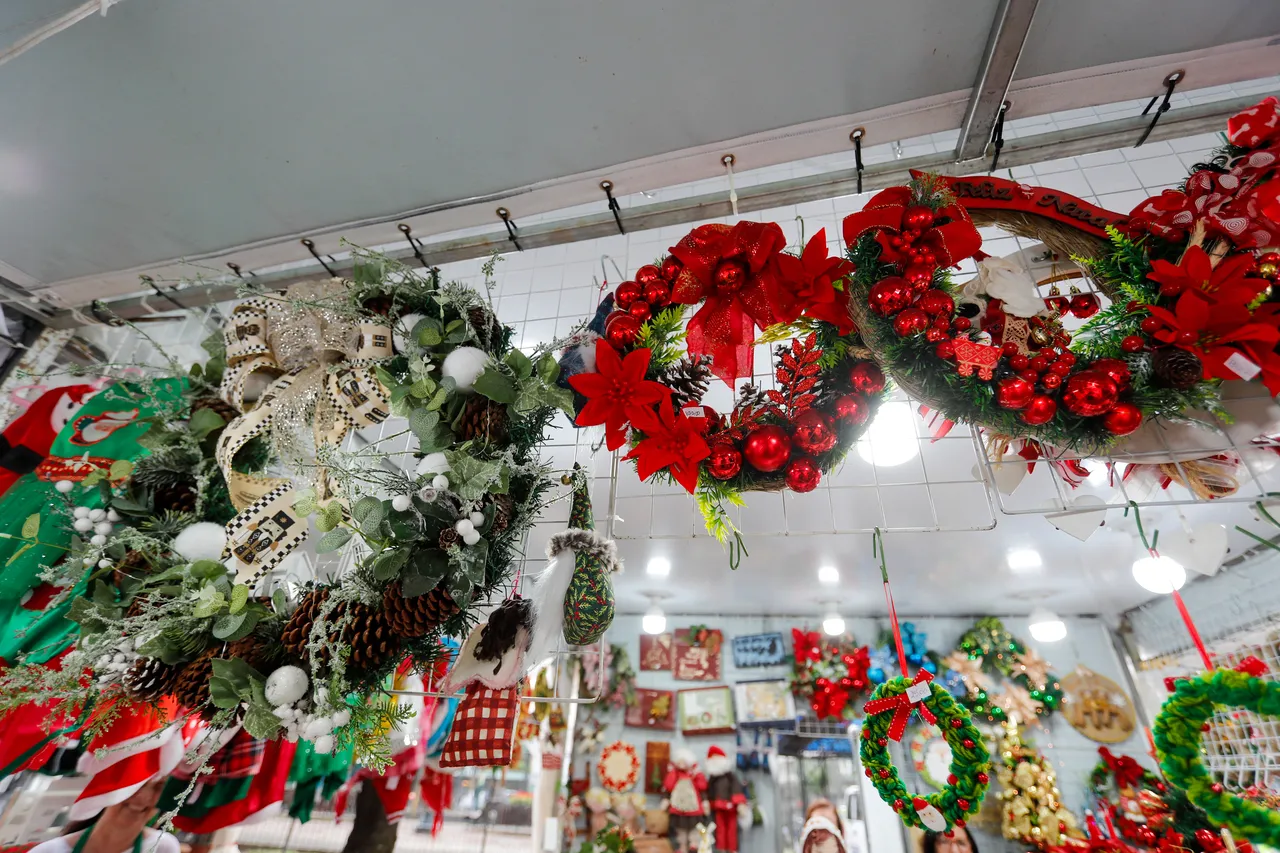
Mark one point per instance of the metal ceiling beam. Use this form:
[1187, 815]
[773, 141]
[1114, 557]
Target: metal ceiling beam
[1022, 151]
[1004, 46]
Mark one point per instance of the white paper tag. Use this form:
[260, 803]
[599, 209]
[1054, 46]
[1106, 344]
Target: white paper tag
[919, 691]
[1241, 365]
[694, 411]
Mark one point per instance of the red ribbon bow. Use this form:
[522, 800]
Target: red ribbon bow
[952, 238]
[1128, 772]
[1255, 126]
[808, 646]
[902, 706]
[1252, 666]
[732, 272]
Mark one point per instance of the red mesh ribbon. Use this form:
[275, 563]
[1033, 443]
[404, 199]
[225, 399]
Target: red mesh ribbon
[902, 708]
[952, 238]
[724, 327]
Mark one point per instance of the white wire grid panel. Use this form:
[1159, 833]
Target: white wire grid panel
[1237, 615]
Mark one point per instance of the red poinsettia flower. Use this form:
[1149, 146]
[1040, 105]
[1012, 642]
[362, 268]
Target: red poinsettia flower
[1216, 333]
[806, 285]
[807, 645]
[616, 391]
[1226, 283]
[829, 699]
[730, 271]
[670, 441]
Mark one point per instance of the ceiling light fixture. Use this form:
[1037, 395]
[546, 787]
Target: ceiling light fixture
[1024, 559]
[828, 575]
[1159, 574]
[1046, 627]
[891, 438]
[833, 624]
[655, 621]
[659, 567]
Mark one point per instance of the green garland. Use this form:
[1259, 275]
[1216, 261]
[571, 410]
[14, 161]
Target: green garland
[1177, 731]
[970, 761]
[989, 640]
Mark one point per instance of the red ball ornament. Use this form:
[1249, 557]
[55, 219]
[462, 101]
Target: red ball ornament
[671, 267]
[621, 329]
[911, 321]
[961, 324]
[813, 432]
[1085, 305]
[1039, 411]
[730, 276]
[647, 275]
[866, 377]
[889, 296]
[1020, 362]
[1014, 393]
[1030, 374]
[657, 293]
[1051, 380]
[1089, 393]
[1151, 325]
[946, 349]
[917, 216]
[936, 302]
[640, 310]
[1041, 362]
[935, 335]
[803, 475]
[853, 409]
[725, 461]
[1132, 343]
[1123, 419]
[768, 448]
[1068, 358]
[627, 292]
[1061, 367]
[1116, 368]
[919, 276]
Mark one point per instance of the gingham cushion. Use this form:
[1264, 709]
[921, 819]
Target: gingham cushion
[483, 729]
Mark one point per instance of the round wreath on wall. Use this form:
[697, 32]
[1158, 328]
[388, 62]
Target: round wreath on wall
[645, 376]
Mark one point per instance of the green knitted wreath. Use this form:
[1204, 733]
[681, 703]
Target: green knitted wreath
[967, 781]
[1177, 732]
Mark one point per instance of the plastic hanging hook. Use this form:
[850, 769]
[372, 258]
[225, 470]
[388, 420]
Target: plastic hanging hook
[311, 247]
[1170, 83]
[855, 136]
[614, 207]
[737, 550]
[505, 216]
[997, 134]
[728, 161]
[1150, 544]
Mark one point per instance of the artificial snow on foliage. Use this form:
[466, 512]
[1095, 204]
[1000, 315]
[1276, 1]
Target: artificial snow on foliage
[401, 330]
[286, 685]
[432, 463]
[464, 366]
[203, 540]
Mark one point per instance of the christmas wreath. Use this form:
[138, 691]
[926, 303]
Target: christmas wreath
[888, 711]
[1186, 285]
[1178, 729]
[828, 674]
[988, 651]
[642, 373]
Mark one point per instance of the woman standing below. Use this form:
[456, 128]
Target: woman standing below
[121, 828]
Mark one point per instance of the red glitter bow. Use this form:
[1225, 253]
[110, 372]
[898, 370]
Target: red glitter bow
[951, 239]
[829, 699]
[1255, 126]
[902, 706]
[808, 646]
[1128, 772]
[731, 271]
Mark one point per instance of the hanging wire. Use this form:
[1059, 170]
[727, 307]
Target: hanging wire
[1205, 658]
[728, 160]
[1170, 83]
[614, 207]
[311, 247]
[856, 135]
[997, 134]
[877, 550]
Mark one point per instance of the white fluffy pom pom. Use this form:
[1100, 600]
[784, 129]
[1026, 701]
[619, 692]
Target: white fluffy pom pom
[464, 366]
[98, 540]
[81, 512]
[401, 330]
[432, 463]
[464, 526]
[103, 527]
[82, 525]
[470, 538]
[112, 515]
[401, 503]
[477, 518]
[96, 515]
[439, 481]
[104, 563]
[286, 685]
[323, 744]
[341, 718]
[203, 540]
[64, 486]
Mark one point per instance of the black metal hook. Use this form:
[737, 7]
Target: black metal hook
[616, 208]
[413, 244]
[151, 282]
[235, 268]
[505, 215]
[997, 134]
[1170, 83]
[311, 247]
[99, 310]
[855, 136]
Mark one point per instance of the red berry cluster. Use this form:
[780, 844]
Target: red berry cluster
[636, 301]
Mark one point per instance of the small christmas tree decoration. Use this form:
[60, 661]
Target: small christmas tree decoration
[416, 616]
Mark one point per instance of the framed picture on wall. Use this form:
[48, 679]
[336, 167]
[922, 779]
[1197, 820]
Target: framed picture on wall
[706, 711]
[657, 755]
[656, 652]
[768, 701]
[697, 654]
[654, 709]
[753, 650]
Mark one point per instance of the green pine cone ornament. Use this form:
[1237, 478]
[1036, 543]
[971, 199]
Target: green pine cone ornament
[1178, 730]
[588, 605]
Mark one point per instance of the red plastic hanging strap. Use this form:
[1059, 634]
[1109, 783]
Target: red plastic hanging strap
[1150, 545]
[877, 550]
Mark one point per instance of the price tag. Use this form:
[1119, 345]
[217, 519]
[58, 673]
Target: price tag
[1241, 365]
[919, 691]
[694, 412]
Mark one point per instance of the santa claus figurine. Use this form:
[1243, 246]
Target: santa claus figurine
[686, 799]
[728, 799]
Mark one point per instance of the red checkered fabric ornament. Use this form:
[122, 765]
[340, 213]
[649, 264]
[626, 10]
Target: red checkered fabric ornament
[484, 728]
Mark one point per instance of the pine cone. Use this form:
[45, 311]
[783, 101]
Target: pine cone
[371, 638]
[688, 379]
[484, 419]
[180, 497]
[504, 512]
[135, 565]
[255, 651]
[448, 538]
[379, 305]
[297, 631]
[191, 685]
[486, 326]
[415, 617]
[151, 678]
[1176, 368]
[220, 407]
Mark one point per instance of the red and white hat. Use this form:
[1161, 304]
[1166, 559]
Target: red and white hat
[715, 752]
